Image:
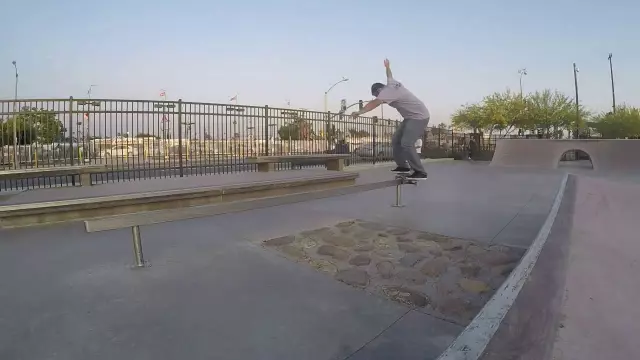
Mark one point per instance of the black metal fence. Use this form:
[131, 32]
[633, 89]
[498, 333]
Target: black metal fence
[144, 139]
[138, 139]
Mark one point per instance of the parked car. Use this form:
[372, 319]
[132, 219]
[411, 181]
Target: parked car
[120, 151]
[379, 151]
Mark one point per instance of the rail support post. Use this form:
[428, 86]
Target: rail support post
[398, 203]
[137, 248]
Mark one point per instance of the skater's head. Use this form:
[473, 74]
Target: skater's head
[376, 88]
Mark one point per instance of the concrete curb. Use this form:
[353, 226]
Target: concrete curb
[473, 340]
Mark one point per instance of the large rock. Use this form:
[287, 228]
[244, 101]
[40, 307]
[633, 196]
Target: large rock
[470, 270]
[354, 277]
[363, 247]
[372, 226]
[333, 251]
[385, 269]
[346, 224]
[398, 231]
[453, 245]
[294, 252]
[412, 276]
[410, 248]
[432, 247]
[410, 260]
[364, 235]
[324, 266]
[360, 260]
[406, 296]
[338, 240]
[317, 233]
[436, 267]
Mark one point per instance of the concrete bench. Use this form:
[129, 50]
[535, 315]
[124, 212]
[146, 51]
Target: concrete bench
[334, 162]
[83, 171]
[29, 214]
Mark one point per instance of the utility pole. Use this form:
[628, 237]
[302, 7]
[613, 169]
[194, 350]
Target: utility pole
[613, 88]
[575, 79]
[15, 118]
[522, 73]
[344, 79]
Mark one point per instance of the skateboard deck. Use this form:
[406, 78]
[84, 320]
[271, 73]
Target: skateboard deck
[403, 177]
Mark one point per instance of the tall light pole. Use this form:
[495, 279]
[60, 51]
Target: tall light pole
[86, 133]
[327, 92]
[575, 80]
[522, 73]
[15, 118]
[613, 88]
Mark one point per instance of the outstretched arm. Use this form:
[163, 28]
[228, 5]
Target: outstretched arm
[370, 106]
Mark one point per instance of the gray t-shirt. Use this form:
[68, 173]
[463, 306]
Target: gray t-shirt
[407, 104]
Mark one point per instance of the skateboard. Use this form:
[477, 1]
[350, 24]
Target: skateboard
[404, 180]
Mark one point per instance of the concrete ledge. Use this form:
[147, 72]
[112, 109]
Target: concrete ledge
[87, 208]
[333, 162]
[84, 171]
[519, 318]
[155, 217]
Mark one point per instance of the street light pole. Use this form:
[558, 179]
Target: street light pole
[575, 79]
[15, 118]
[522, 73]
[613, 88]
[327, 92]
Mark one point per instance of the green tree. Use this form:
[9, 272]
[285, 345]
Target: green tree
[625, 123]
[470, 117]
[298, 129]
[504, 112]
[549, 112]
[32, 125]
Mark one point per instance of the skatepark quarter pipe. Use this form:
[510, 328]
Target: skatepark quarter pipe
[606, 155]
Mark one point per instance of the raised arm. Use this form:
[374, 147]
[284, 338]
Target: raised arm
[388, 68]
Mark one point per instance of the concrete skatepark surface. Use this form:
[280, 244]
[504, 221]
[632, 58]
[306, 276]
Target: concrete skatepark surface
[598, 315]
[213, 290]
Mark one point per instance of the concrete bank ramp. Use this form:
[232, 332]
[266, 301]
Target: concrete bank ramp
[571, 297]
[620, 156]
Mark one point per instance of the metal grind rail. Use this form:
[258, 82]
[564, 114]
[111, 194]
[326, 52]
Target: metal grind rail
[134, 221]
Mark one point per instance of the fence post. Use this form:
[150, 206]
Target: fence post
[180, 164]
[452, 139]
[71, 133]
[328, 133]
[266, 130]
[374, 139]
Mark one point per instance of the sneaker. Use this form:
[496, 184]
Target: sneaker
[401, 169]
[417, 175]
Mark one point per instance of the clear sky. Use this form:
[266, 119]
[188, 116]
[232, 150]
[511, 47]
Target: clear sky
[447, 52]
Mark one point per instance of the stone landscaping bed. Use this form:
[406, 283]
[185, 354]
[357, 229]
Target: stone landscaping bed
[443, 276]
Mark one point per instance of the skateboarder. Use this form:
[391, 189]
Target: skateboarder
[415, 120]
